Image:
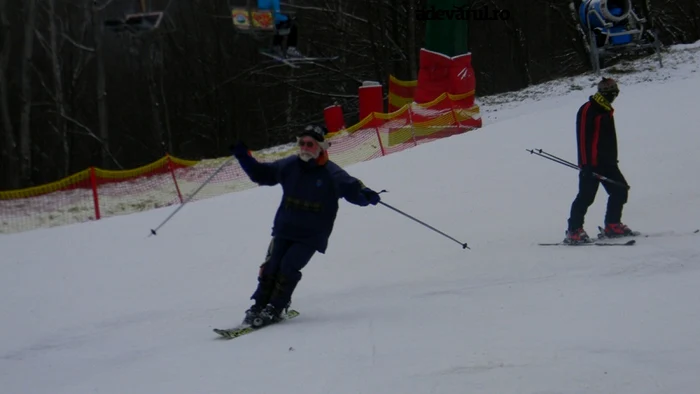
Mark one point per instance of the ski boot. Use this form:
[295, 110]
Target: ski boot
[267, 316]
[293, 53]
[577, 236]
[252, 313]
[616, 230]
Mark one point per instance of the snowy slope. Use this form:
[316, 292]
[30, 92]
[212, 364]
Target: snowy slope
[392, 307]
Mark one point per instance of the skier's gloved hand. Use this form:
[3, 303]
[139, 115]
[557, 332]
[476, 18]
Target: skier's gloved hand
[587, 170]
[371, 196]
[239, 149]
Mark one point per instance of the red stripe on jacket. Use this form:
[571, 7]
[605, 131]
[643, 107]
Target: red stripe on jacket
[596, 136]
[582, 134]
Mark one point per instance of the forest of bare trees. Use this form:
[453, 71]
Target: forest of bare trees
[73, 94]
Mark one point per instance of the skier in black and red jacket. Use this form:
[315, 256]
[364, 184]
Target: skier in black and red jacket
[596, 139]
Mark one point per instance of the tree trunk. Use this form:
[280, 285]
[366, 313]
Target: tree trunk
[153, 90]
[383, 33]
[411, 40]
[582, 37]
[164, 100]
[101, 87]
[646, 11]
[373, 40]
[58, 90]
[396, 64]
[289, 112]
[9, 146]
[26, 111]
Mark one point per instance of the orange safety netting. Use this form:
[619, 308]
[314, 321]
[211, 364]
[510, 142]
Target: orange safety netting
[95, 193]
[92, 194]
[400, 93]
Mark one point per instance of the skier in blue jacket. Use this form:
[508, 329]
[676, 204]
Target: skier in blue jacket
[311, 186]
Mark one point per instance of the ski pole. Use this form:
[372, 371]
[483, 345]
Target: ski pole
[464, 244]
[572, 165]
[566, 163]
[549, 156]
[153, 231]
[541, 153]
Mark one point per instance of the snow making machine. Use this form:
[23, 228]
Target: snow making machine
[613, 28]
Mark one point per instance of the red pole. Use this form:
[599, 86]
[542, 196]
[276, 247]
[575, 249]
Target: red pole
[379, 137]
[381, 146]
[172, 172]
[96, 200]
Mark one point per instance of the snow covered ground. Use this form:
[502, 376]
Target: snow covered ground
[392, 307]
[680, 62]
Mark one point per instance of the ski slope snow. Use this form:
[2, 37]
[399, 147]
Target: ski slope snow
[393, 307]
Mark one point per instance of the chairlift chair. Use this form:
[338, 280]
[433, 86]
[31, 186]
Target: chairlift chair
[256, 18]
[614, 28]
[256, 22]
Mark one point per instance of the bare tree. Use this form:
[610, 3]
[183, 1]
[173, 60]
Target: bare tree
[411, 48]
[61, 126]
[26, 97]
[101, 84]
[677, 19]
[9, 146]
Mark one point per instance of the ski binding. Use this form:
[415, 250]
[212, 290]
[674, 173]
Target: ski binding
[594, 243]
[243, 329]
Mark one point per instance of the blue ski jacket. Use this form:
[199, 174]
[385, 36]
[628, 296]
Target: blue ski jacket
[274, 6]
[311, 191]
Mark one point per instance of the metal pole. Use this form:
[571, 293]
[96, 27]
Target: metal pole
[153, 231]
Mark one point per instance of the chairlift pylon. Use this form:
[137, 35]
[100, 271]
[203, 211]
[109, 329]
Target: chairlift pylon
[140, 22]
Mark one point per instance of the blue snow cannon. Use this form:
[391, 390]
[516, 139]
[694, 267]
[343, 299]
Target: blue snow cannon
[609, 16]
[612, 27]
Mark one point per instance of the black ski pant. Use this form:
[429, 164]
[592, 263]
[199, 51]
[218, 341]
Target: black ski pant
[281, 272]
[291, 36]
[587, 190]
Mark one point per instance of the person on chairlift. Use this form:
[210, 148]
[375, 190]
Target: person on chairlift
[283, 22]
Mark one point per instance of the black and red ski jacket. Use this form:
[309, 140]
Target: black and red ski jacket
[595, 133]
